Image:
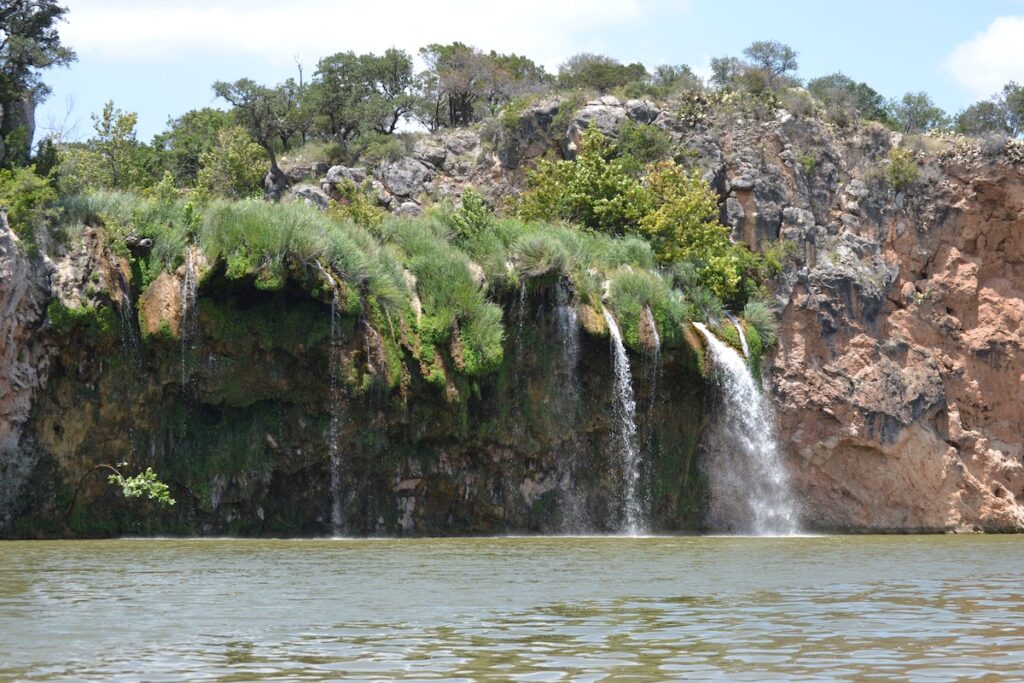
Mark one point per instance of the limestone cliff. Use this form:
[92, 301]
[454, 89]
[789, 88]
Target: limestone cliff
[897, 377]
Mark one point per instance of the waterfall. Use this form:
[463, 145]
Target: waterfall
[652, 376]
[337, 516]
[739, 329]
[749, 485]
[572, 508]
[188, 324]
[628, 448]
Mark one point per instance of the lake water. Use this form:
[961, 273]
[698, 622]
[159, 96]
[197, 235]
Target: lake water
[531, 609]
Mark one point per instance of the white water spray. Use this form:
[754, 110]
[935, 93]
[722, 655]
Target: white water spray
[749, 485]
[739, 330]
[628, 447]
[337, 516]
[572, 507]
[188, 324]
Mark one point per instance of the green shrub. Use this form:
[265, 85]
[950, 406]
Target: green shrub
[639, 144]
[473, 217]
[357, 205]
[234, 168]
[30, 202]
[758, 315]
[901, 171]
[596, 190]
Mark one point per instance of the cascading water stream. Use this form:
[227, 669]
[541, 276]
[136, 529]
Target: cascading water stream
[739, 330]
[652, 376]
[628, 448]
[188, 324]
[337, 516]
[749, 485]
[572, 508]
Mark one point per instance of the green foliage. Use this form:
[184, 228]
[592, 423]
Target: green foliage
[758, 315]
[845, 100]
[452, 300]
[1012, 101]
[639, 144]
[145, 483]
[357, 205]
[901, 170]
[112, 159]
[632, 292]
[598, 72]
[596, 190]
[981, 118]
[234, 167]
[778, 255]
[684, 227]
[29, 200]
[473, 217]
[99, 324]
[188, 138]
[916, 113]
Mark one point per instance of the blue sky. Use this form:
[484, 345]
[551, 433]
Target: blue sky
[159, 57]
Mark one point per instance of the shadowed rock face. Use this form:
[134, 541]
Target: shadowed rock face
[244, 446]
[897, 379]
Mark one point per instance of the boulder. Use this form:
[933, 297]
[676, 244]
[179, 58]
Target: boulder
[403, 177]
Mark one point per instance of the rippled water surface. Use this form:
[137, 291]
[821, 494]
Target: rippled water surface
[535, 609]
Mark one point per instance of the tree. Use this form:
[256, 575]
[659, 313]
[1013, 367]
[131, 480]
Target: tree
[233, 167]
[122, 162]
[845, 100]
[29, 43]
[188, 137]
[726, 72]
[600, 72]
[259, 110]
[916, 113]
[1012, 99]
[675, 78]
[391, 80]
[982, 117]
[776, 61]
[337, 94]
[463, 75]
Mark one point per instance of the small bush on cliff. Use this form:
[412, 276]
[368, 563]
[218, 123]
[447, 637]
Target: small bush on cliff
[29, 200]
[596, 190]
[758, 315]
[901, 171]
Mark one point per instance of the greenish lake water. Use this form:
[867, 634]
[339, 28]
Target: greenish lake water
[530, 609]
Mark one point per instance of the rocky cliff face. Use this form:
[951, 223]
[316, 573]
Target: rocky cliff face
[897, 377]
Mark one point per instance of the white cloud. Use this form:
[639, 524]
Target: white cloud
[990, 59]
[545, 30]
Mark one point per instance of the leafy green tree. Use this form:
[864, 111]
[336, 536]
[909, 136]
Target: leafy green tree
[29, 43]
[29, 201]
[261, 112]
[188, 137]
[684, 227]
[916, 113]
[776, 61]
[982, 117]
[337, 94]
[393, 86]
[600, 72]
[675, 78]
[845, 100]
[1012, 100]
[640, 144]
[462, 76]
[233, 167]
[113, 158]
[597, 190]
[726, 72]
